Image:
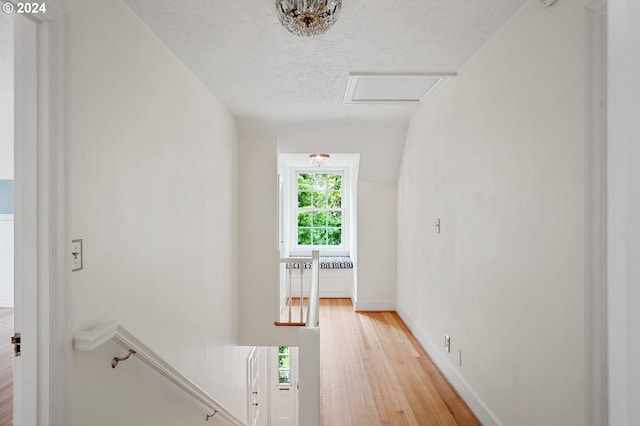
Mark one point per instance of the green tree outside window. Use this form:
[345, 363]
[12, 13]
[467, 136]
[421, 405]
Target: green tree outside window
[319, 209]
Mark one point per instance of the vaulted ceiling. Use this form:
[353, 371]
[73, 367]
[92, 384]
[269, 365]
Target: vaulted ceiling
[260, 71]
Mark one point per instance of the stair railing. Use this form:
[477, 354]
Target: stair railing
[89, 340]
[299, 264]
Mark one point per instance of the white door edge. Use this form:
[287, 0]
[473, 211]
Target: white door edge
[49, 301]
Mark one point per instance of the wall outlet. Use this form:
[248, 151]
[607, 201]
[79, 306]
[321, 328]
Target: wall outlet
[447, 343]
[437, 225]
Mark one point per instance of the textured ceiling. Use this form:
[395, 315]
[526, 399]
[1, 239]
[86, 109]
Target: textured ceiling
[260, 71]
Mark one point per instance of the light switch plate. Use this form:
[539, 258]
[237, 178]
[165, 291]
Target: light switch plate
[76, 255]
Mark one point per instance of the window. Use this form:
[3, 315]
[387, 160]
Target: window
[284, 366]
[320, 210]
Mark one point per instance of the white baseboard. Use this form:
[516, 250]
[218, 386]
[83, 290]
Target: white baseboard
[6, 305]
[482, 412]
[375, 305]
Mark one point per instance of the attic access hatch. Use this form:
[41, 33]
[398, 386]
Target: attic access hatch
[387, 88]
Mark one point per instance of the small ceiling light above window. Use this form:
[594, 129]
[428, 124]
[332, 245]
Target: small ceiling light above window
[319, 160]
[307, 18]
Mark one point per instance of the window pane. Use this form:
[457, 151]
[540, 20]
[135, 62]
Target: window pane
[283, 361]
[319, 182]
[320, 236]
[283, 349]
[284, 376]
[304, 182]
[335, 182]
[320, 219]
[304, 236]
[335, 236]
[304, 199]
[320, 199]
[304, 219]
[335, 200]
[334, 219]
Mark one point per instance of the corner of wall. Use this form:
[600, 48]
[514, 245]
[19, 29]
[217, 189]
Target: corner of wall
[481, 411]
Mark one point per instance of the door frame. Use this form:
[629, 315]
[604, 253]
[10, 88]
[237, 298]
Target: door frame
[50, 312]
[595, 307]
[273, 385]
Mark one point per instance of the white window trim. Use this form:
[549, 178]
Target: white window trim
[341, 250]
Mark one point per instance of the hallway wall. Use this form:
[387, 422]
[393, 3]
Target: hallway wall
[154, 196]
[377, 236]
[258, 242]
[623, 212]
[497, 154]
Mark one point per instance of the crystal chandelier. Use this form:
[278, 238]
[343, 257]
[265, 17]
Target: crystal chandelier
[319, 160]
[308, 17]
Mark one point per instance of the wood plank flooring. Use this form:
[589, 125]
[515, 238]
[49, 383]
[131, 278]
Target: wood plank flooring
[374, 372]
[6, 367]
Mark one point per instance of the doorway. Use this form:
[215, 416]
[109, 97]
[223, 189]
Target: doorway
[283, 385]
[19, 200]
[7, 218]
[34, 118]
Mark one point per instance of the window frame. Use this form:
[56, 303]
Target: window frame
[328, 250]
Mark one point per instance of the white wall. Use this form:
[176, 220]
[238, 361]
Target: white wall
[137, 396]
[623, 212]
[497, 154]
[6, 156]
[154, 196]
[258, 240]
[377, 211]
[379, 143]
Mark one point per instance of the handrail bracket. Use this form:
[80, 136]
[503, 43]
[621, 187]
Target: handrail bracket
[116, 360]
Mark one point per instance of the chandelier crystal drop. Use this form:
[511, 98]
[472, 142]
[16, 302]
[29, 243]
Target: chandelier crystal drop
[308, 18]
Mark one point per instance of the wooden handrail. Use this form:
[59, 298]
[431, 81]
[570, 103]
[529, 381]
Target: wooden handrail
[89, 340]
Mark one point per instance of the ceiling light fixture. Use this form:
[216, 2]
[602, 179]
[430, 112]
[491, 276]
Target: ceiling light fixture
[319, 160]
[308, 18]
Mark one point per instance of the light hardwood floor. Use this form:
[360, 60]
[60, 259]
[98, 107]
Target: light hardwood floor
[374, 372]
[6, 367]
